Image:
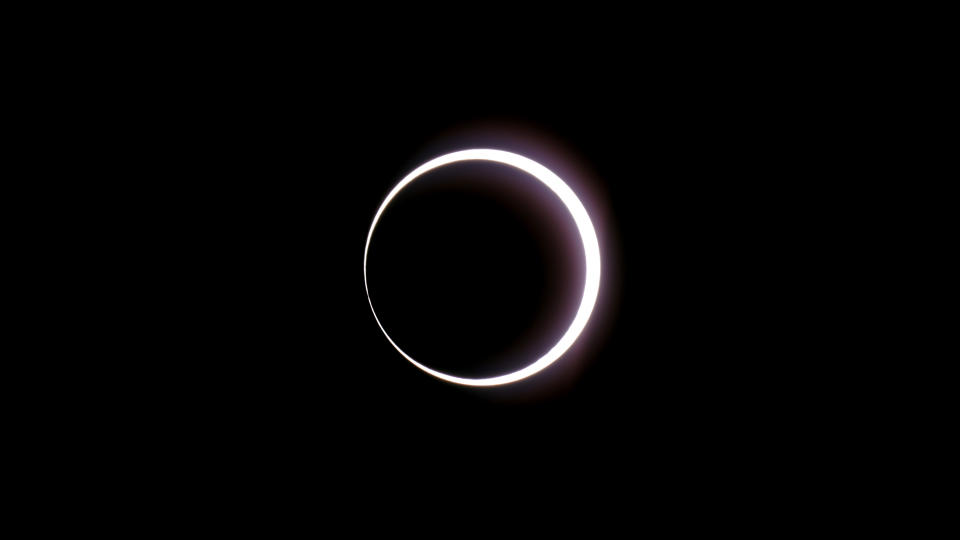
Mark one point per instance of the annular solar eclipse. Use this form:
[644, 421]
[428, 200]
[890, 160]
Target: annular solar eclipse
[588, 236]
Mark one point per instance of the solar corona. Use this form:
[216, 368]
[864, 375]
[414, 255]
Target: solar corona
[588, 236]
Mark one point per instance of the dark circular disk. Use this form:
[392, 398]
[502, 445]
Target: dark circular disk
[475, 269]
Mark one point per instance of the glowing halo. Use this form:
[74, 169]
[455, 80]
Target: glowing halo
[591, 250]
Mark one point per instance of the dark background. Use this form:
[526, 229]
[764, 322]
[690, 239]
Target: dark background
[279, 200]
[206, 181]
[258, 169]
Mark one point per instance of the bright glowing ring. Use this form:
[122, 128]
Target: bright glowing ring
[588, 235]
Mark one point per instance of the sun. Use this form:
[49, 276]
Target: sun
[588, 236]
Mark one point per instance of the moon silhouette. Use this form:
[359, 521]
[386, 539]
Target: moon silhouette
[588, 236]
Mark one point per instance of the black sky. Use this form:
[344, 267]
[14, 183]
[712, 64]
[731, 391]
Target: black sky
[265, 172]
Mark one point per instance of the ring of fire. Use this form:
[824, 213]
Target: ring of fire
[591, 252]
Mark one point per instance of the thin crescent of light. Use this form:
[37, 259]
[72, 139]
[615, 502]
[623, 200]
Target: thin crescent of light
[591, 250]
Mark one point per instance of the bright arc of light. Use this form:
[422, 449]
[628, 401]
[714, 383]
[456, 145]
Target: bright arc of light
[591, 251]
